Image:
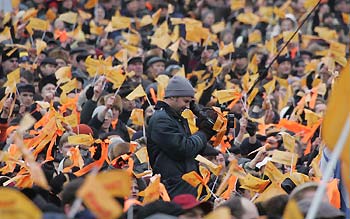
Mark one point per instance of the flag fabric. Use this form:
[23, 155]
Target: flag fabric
[98, 199]
[137, 93]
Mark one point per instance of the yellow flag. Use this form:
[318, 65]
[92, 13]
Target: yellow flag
[337, 49]
[116, 76]
[309, 4]
[175, 35]
[288, 34]
[191, 119]
[270, 86]
[248, 18]
[69, 17]
[72, 120]
[83, 139]
[224, 96]
[12, 79]
[284, 157]
[326, 33]
[156, 16]
[212, 167]
[98, 199]
[288, 142]
[221, 212]
[120, 22]
[116, 182]
[146, 20]
[137, 93]
[253, 183]
[142, 155]
[84, 15]
[5, 34]
[32, 12]
[69, 86]
[237, 4]
[152, 192]
[227, 49]
[252, 95]
[271, 191]
[137, 117]
[292, 211]
[273, 173]
[218, 27]
[311, 117]
[27, 122]
[38, 24]
[40, 46]
[51, 15]
[254, 37]
[15, 204]
[63, 74]
[337, 113]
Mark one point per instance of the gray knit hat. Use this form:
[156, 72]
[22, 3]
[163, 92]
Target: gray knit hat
[179, 86]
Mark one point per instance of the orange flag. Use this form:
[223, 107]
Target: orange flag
[116, 182]
[333, 193]
[15, 204]
[98, 199]
[194, 179]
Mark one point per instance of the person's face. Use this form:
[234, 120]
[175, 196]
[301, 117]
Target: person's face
[65, 148]
[48, 69]
[61, 63]
[241, 63]
[195, 213]
[300, 69]
[10, 65]
[158, 68]
[27, 98]
[209, 19]
[107, 121]
[133, 6]
[48, 92]
[220, 160]
[284, 69]
[250, 210]
[286, 25]
[134, 190]
[237, 108]
[181, 103]
[128, 105]
[320, 108]
[137, 67]
[67, 4]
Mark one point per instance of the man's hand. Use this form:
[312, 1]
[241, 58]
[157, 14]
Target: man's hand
[6, 108]
[109, 102]
[98, 87]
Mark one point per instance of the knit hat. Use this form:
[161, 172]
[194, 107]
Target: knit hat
[26, 88]
[51, 79]
[179, 87]
[8, 54]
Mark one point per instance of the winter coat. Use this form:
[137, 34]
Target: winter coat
[172, 149]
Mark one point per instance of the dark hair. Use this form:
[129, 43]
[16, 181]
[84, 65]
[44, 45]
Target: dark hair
[235, 206]
[68, 194]
[275, 206]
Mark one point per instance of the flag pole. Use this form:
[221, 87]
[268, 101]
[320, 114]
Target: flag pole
[315, 204]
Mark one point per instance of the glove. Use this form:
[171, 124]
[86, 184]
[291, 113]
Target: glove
[251, 128]
[206, 122]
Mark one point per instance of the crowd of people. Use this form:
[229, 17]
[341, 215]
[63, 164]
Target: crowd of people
[171, 109]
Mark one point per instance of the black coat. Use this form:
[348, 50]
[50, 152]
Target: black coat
[172, 149]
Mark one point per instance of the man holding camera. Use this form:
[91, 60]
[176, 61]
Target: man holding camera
[171, 147]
